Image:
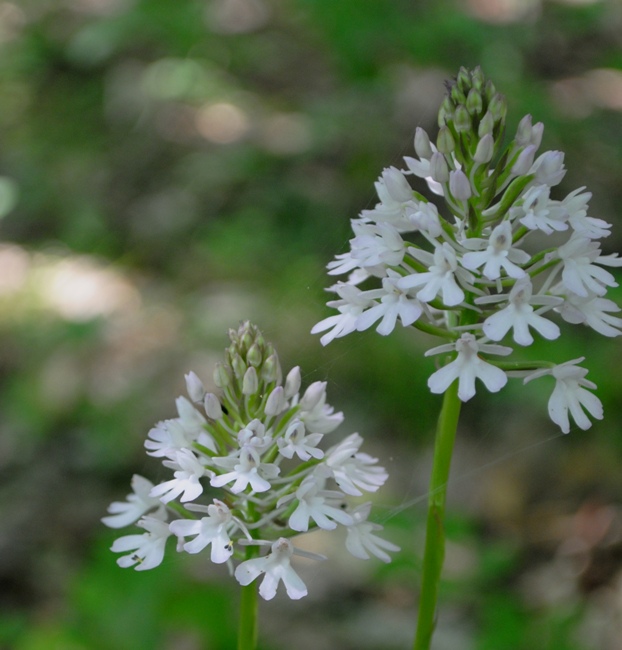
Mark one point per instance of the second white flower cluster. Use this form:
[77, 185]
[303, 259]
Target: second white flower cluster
[255, 453]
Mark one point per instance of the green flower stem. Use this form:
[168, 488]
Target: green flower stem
[434, 553]
[249, 601]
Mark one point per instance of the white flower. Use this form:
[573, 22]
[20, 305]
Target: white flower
[468, 366]
[276, 567]
[351, 306]
[424, 217]
[441, 277]
[570, 394]
[315, 413]
[296, 441]
[519, 315]
[312, 504]
[246, 470]
[124, 513]
[352, 470]
[208, 530]
[167, 437]
[537, 212]
[148, 548]
[195, 388]
[394, 303]
[592, 311]
[361, 540]
[254, 436]
[396, 196]
[580, 275]
[498, 255]
[374, 245]
[549, 168]
[576, 206]
[186, 481]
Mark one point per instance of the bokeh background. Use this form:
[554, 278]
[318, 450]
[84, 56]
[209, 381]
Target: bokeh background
[169, 169]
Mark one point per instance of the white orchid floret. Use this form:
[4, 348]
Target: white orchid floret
[166, 437]
[297, 442]
[424, 217]
[519, 315]
[394, 303]
[361, 540]
[593, 311]
[124, 513]
[524, 161]
[576, 205]
[213, 529]
[548, 168]
[377, 244]
[343, 263]
[498, 254]
[147, 549]
[354, 472]
[441, 277]
[315, 413]
[396, 196]
[254, 436]
[276, 567]
[467, 367]
[194, 386]
[186, 483]
[351, 305]
[246, 470]
[580, 274]
[538, 212]
[315, 504]
[570, 395]
[527, 134]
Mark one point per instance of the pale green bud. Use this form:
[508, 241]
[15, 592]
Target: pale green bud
[485, 149]
[253, 357]
[438, 168]
[478, 79]
[238, 365]
[486, 125]
[459, 185]
[498, 107]
[271, 369]
[462, 119]
[222, 375]
[445, 142]
[250, 383]
[474, 102]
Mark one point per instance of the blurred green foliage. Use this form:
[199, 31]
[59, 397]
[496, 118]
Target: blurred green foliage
[171, 168]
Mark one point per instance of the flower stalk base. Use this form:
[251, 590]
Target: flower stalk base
[434, 553]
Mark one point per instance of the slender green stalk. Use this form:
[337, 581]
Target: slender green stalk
[247, 631]
[434, 553]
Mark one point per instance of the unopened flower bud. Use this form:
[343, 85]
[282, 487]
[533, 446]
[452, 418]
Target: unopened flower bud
[422, 144]
[250, 383]
[276, 402]
[462, 119]
[195, 387]
[314, 393]
[536, 134]
[397, 185]
[445, 112]
[486, 125]
[498, 107]
[463, 80]
[213, 408]
[459, 185]
[238, 365]
[474, 102]
[490, 90]
[271, 369]
[478, 79]
[524, 161]
[246, 340]
[485, 149]
[438, 168]
[222, 375]
[445, 142]
[292, 382]
[253, 356]
[549, 168]
[457, 95]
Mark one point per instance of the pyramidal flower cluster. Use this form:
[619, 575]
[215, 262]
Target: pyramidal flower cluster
[501, 260]
[248, 470]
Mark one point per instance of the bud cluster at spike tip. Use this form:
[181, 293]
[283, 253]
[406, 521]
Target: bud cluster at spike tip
[248, 468]
[501, 260]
